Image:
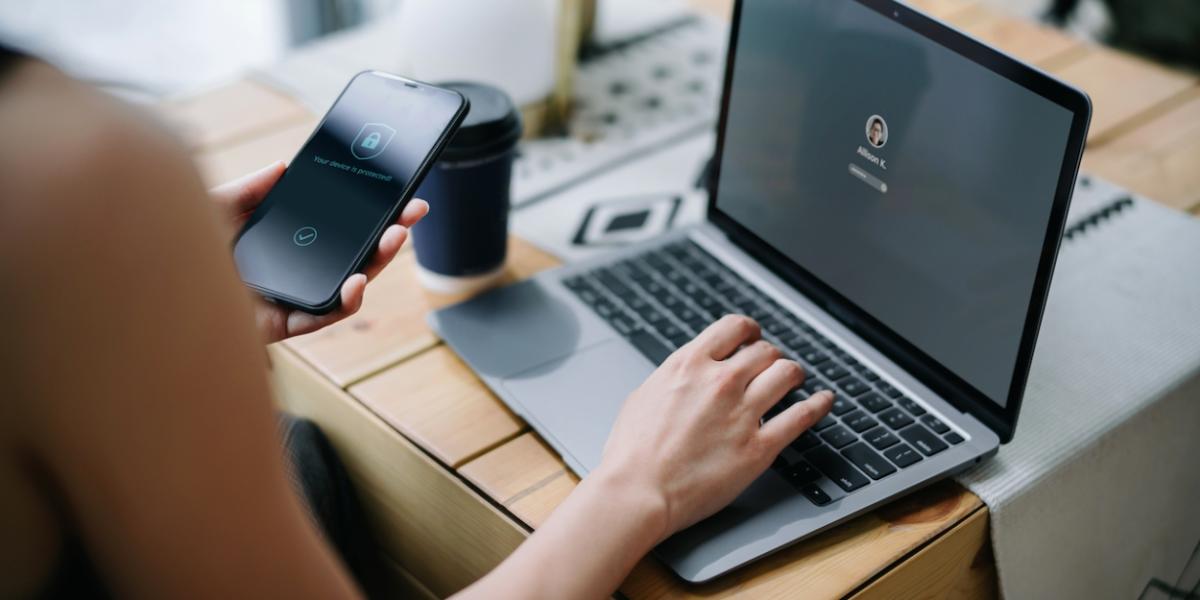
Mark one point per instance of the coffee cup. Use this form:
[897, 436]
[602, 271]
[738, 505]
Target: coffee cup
[461, 244]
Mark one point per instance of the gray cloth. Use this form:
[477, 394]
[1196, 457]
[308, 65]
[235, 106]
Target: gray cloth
[1098, 490]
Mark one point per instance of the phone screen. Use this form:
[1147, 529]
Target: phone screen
[317, 224]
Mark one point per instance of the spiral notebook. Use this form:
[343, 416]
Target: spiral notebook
[1097, 492]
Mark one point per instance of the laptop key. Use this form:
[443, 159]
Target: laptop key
[588, 295]
[868, 461]
[807, 441]
[604, 308]
[881, 438]
[774, 326]
[649, 346]
[838, 436]
[707, 302]
[910, 405]
[928, 443]
[652, 315]
[889, 391]
[801, 472]
[789, 456]
[796, 343]
[903, 455]
[874, 402]
[853, 386]
[836, 468]
[833, 371]
[813, 384]
[935, 424]
[669, 301]
[953, 438]
[679, 339]
[815, 494]
[622, 323]
[575, 282]
[614, 285]
[895, 418]
[859, 421]
[669, 330]
[825, 423]
[841, 406]
[814, 357]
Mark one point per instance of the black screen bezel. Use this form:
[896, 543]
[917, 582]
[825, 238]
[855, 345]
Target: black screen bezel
[957, 391]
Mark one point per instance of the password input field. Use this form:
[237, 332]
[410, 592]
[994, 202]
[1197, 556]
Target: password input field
[869, 179]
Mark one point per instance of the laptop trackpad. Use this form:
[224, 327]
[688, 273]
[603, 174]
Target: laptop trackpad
[573, 401]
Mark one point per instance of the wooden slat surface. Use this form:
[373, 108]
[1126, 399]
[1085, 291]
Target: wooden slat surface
[529, 480]
[1124, 88]
[1160, 158]
[958, 12]
[514, 470]
[1031, 42]
[425, 518]
[939, 569]
[436, 401]
[392, 394]
[391, 326]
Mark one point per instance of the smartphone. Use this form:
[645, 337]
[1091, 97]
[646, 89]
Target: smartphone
[362, 164]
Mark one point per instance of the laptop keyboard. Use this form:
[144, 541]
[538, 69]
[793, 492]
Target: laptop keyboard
[660, 299]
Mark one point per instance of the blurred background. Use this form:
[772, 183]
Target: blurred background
[165, 48]
[620, 95]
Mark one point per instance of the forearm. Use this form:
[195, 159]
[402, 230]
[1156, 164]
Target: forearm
[586, 548]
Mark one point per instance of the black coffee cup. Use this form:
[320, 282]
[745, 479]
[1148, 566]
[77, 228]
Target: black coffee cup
[461, 244]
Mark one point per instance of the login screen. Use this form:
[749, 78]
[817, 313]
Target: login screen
[915, 182]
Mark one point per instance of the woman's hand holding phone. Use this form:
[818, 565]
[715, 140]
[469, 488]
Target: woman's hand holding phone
[237, 200]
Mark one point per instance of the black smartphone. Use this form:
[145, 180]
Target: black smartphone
[363, 163]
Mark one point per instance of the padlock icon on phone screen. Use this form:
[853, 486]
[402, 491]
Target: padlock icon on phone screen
[371, 140]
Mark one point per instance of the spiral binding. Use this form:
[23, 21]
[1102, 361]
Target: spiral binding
[1098, 216]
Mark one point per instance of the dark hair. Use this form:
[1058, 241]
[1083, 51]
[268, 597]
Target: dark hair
[9, 58]
[876, 120]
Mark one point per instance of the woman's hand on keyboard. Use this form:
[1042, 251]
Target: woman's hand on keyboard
[686, 443]
[691, 434]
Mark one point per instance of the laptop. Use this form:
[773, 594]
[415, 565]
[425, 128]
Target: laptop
[887, 201]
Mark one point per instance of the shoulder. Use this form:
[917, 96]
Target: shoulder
[77, 164]
[67, 146]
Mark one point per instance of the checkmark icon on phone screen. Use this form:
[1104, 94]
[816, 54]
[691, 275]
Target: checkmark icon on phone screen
[305, 236]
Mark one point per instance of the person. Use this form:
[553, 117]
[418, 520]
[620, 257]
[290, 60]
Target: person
[138, 435]
[875, 135]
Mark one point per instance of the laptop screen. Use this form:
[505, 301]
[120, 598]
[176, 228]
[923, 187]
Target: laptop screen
[912, 181]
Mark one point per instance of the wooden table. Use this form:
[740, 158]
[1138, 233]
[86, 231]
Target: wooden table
[454, 481]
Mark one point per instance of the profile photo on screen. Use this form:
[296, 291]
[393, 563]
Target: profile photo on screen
[877, 132]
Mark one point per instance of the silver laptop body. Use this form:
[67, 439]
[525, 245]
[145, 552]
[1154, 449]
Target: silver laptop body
[566, 347]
